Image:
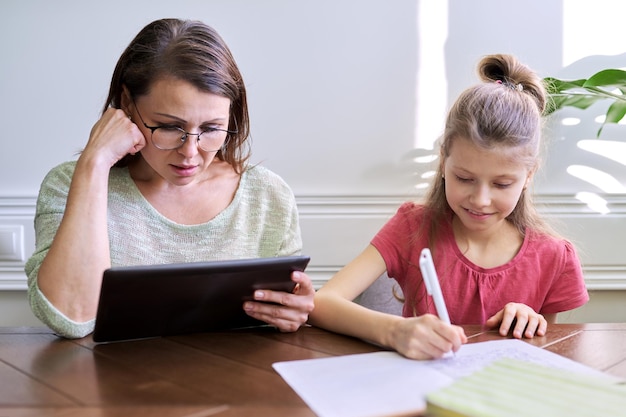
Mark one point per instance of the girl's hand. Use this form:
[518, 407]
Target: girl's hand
[527, 323]
[286, 311]
[113, 137]
[426, 337]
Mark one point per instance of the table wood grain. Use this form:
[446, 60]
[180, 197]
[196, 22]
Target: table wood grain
[225, 374]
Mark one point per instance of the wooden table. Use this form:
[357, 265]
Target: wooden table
[211, 374]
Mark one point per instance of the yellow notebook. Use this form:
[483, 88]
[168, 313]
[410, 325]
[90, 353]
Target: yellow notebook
[510, 387]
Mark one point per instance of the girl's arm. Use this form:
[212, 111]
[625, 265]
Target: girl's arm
[417, 337]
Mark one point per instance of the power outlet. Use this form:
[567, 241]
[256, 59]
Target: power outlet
[12, 243]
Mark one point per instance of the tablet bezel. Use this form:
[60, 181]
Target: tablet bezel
[138, 302]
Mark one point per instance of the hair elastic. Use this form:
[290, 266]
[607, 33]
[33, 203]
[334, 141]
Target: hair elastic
[517, 87]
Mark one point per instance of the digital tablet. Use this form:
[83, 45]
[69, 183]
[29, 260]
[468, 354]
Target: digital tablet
[138, 302]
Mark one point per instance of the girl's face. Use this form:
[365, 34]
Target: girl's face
[483, 186]
[175, 103]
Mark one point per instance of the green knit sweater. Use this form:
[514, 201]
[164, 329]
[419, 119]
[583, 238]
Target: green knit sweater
[261, 221]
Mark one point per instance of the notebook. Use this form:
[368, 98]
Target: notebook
[386, 383]
[515, 388]
[162, 300]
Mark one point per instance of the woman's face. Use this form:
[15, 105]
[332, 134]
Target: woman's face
[483, 186]
[175, 103]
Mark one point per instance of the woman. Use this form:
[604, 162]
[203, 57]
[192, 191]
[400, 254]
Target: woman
[163, 178]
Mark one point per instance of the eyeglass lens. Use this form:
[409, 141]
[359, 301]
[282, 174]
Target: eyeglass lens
[168, 138]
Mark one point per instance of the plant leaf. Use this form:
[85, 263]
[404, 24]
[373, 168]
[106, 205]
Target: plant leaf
[555, 86]
[580, 101]
[614, 114]
[607, 78]
[608, 84]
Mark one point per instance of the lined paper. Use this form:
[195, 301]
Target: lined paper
[511, 387]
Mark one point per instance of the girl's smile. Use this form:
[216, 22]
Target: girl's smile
[483, 186]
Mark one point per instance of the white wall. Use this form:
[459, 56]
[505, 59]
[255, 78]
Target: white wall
[322, 77]
[342, 94]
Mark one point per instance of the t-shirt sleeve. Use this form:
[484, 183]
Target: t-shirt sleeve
[568, 290]
[393, 240]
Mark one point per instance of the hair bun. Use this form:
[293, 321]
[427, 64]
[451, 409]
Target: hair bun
[510, 72]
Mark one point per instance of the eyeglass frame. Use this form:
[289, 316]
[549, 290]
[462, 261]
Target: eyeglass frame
[185, 134]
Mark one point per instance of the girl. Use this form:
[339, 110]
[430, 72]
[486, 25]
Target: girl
[499, 264]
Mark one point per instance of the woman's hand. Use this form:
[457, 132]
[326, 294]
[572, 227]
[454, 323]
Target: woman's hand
[286, 311]
[426, 337]
[526, 322]
[113, 137]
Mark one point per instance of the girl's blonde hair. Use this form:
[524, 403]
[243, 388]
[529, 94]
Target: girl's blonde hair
[505, 110]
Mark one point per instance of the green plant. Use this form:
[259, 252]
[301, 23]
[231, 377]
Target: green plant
[606, 84]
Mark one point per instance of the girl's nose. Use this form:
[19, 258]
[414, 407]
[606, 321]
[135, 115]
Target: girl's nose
[481, 196]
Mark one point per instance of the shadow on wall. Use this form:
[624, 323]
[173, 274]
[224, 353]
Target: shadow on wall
[578, 161]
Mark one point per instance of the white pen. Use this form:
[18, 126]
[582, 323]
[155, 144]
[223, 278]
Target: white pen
[432, 284]
[434, 289]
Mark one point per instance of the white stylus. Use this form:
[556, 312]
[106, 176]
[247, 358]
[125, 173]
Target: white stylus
[432, 284]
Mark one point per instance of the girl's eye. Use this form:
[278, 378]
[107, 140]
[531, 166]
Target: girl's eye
[502, 185]
[461, 179]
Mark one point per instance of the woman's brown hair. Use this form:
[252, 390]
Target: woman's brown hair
[193, 52]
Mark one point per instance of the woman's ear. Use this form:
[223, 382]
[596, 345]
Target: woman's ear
[126, 102]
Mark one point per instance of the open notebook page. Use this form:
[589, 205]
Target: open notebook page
[386, 383]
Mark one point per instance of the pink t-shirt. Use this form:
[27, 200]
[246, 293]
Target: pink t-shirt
[545, 274]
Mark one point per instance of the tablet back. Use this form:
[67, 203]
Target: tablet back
[160, 300]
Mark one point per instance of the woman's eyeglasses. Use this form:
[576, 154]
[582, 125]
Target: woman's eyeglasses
[168, 137]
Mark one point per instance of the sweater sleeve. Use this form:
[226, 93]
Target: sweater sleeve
[271, 218]
[49, 213]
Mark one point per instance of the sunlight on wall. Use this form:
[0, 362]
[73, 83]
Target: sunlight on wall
[570, 121]
[432, 18]
[583, 37]
[613, 150]
[603, 180]
[431, 74]
[593, 201]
